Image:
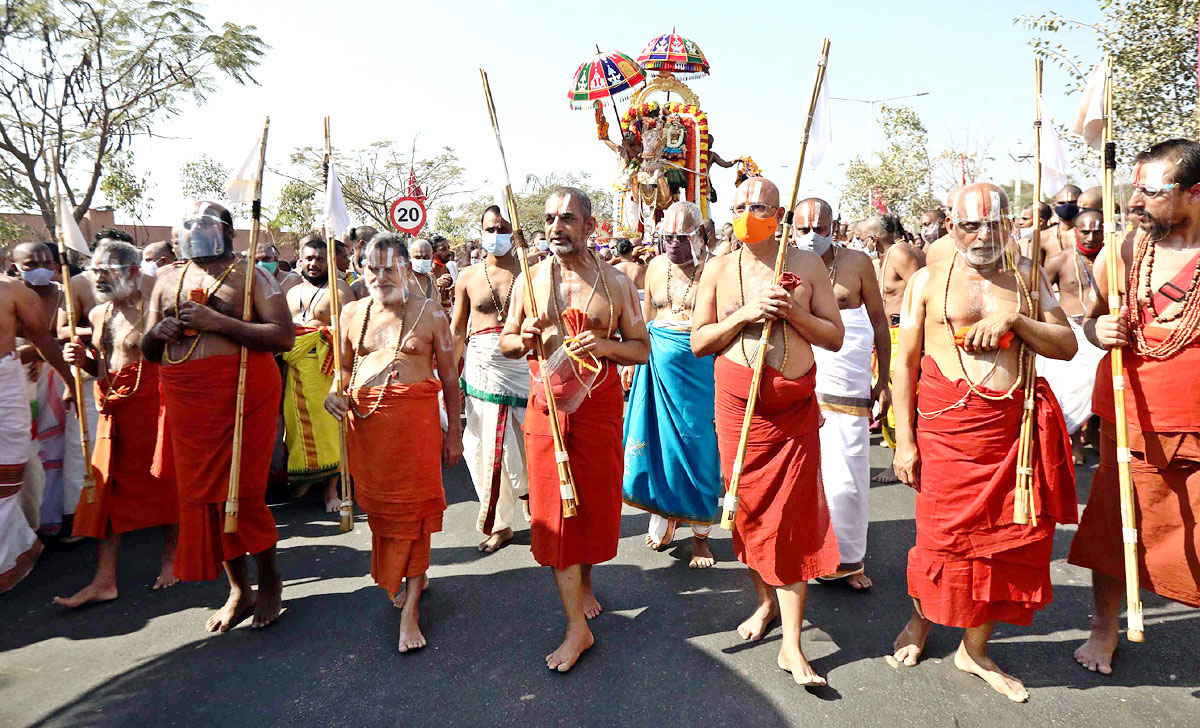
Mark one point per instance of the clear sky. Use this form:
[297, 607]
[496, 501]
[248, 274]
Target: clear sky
[392, 70]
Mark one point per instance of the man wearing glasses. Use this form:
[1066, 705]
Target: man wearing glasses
[1157, 327]
[782, 529]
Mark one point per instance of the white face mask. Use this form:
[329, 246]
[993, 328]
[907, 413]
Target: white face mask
[149, 268]
[1026, 233]
[422, 265]
[814, 242]
[543, 245]
[496, 243]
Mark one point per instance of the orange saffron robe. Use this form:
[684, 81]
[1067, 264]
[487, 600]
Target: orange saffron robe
[1162, 403]
[200, 402]
[593, 440]
[401, 492]
[971, 563]
[128, 495]
[782, 528]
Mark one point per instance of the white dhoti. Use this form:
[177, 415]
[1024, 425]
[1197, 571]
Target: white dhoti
[51, 435]
[1072, 380]
[844, 393]
[496, 390]
[73, 452]
[19, 546]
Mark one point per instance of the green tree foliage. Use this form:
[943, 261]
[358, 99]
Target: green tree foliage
[1152, 44]
[463, 223]
[902, 176]
[298, 209]
[203, 178]
[83, 77]
[374, 176]
[123, 188]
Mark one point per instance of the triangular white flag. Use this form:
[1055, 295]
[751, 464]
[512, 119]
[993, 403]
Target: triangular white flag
[1090, 120]
[335, 204]
[1054, 159]
[72, 236]
[820, 134]
[241, 186]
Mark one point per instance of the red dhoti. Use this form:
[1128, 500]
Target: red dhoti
[200, 399]
[972, 564]
[402, 496]
[1163, 409]
[128, 495]
[782, 528]
[592, 435]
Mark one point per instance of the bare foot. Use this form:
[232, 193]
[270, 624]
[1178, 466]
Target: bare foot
[301, 490]
[859, 582]
[887, 476]
[1096, 654]
[911, 642]
[496, 541]
[410, 632]
[702, 555]
[984, 667]
[573, 645]
[239, 607]
[91, 594]
[753, 629]
[667, 538]
[791, 659]
[270, 600]
[591, 605]
[398, 600]
[166, 576]
[333, 504]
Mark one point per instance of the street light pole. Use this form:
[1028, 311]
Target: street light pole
[871, 103]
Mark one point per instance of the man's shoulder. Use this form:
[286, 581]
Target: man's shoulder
[854, 259]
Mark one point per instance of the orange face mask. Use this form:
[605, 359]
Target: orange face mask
[752, 229]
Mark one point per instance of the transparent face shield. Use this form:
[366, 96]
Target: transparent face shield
[982, 225]
[384, 275]
[201, 236]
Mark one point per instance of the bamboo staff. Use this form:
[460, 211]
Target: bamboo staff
[1129, 531]
[1024, 507]
[566, 481]
[89, 482]
[760, 357]
[346, 512]
[235, 466]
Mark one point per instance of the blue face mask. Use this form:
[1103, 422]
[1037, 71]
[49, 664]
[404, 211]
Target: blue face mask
[38, 276]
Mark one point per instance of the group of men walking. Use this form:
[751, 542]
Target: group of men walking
[952, 321]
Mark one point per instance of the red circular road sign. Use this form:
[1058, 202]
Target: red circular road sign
[408, 215]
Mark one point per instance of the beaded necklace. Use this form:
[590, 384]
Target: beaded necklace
[1188, 313]
[112, 395]
[742, 333]
[500, 312]
[208, 293]
[683, 302]
[359, 355]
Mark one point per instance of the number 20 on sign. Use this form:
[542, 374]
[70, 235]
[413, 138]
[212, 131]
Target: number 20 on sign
[408, 215]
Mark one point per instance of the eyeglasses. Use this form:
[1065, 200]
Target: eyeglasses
[974, 226]
[1151, 192]
[678, 237]
[756, 210]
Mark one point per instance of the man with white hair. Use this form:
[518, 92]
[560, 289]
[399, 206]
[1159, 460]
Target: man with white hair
[965, 324]
[398, 356]
[672, 468]
[129, 495]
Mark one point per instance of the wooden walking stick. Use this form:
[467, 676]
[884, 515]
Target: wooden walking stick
[566, 481]
[235, 466]
[1024, 507]
[346, 512]
[89, 482]
[1135, 628]
[760, 357]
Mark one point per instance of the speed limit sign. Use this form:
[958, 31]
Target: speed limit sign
[408, 215]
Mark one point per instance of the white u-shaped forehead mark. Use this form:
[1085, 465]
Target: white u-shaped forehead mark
[809, 215]
[564, 204]
[1150, 174]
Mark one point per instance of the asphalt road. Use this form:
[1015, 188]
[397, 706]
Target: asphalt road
[666, 650]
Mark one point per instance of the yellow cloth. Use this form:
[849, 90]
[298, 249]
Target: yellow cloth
[888, 427]
[310, 432]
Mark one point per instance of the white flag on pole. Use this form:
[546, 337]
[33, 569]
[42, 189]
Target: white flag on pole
[241, 186]
[335, 204]
[1054, 159]
[72, 236]
[1089, 122]
[820, 134]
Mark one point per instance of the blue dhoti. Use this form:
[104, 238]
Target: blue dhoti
[672, 467]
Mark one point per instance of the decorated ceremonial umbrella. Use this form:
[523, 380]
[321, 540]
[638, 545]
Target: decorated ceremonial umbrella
[604, 77]
[674, 54]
